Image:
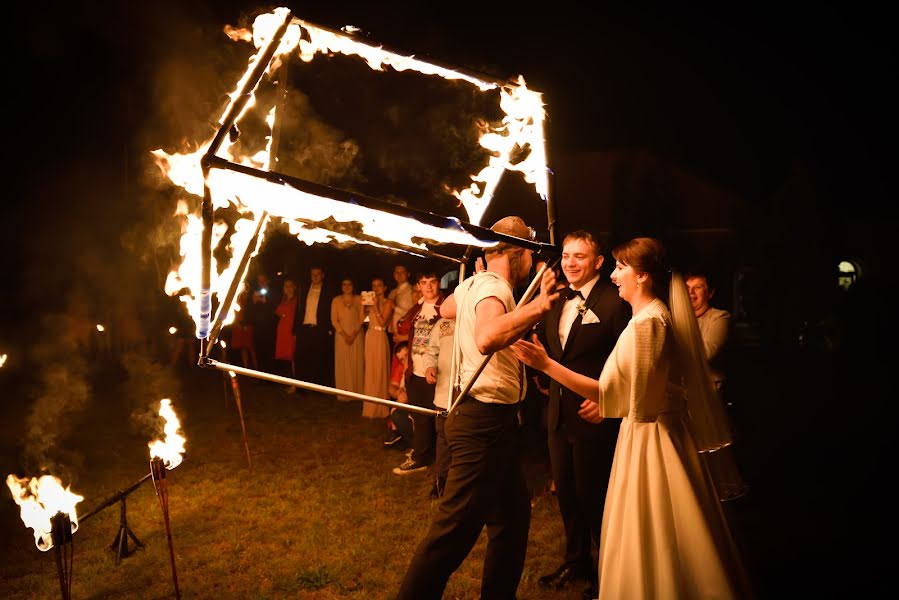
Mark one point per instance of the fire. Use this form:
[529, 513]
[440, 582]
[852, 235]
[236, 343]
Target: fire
[170, 449]
[100, 328]
[39, 500]
[2, 359]
[173, 330]
[521, 133]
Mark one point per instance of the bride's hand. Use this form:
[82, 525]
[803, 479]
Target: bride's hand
[532, 354]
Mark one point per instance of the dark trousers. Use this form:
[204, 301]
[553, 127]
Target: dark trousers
[403, 423]
[315, 354]
[485, 486]
[580, 469]
[442, 461]
[421, 393]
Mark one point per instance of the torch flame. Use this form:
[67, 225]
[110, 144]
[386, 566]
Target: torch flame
[39, 500]
[100, 328]
[170, 449]
[2, 359]
[173, 330]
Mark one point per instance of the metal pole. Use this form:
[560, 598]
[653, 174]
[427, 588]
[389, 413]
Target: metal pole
[115, 498]
[249, 85]
[338, 195]
[453, 363]
[317, 388]
[235, 385]
[472, 74]
[225, 306]
[207, 211]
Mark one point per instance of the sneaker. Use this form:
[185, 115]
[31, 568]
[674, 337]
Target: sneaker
[410, 466]
[392, 439]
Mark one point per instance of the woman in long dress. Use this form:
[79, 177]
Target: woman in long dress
[664, 533]
[377, 351]
[349, 345]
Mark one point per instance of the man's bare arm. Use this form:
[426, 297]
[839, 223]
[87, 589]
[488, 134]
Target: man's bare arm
[496, 329]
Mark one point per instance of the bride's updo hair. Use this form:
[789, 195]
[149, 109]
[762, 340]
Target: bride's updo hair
[646, 255]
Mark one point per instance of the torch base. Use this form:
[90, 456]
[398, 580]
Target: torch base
[119, 545]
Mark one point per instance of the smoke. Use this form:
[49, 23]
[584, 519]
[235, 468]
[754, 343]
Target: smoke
[62, 392]
[314, 150]
[148, 382]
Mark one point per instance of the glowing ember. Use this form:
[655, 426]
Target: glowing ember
[170, 449]
[39, 500]
[2, 359]
[100, 328]
[519, 134]
[173, 330]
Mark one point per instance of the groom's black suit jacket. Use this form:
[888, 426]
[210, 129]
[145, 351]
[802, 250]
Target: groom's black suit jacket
[585, 352]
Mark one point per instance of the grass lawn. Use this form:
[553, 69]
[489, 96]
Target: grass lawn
[319, 515]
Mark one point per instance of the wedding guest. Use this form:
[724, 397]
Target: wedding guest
[349, 343]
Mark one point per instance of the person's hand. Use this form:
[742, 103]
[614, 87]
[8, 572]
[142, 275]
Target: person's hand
[479, 265]
[402, 397]
[589, 412]
[431, 375]
[548, 292]
[532, 354]
[540, 388]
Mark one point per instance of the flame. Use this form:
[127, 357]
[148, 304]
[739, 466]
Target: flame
[173, 330]
[171, 449]
[519, 134]
[100, 328]
[2, 359]
[39, 500]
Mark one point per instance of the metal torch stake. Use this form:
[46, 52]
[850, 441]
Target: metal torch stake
[61, 533]
[157, 469]
[235, 387]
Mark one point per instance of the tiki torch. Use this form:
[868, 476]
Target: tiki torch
[49, 509]
[167, 454]
[61, 534]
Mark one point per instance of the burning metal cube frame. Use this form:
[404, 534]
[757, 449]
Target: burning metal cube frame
[477, 235]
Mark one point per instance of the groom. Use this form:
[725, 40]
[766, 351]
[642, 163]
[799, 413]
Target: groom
[579, 333]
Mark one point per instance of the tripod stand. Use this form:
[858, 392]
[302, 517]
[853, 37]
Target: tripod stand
[120, 543]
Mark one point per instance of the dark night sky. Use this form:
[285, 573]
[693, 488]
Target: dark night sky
[740, 98]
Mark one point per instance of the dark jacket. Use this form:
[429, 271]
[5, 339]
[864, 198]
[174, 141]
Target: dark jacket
[322, 311]
[585, 352]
